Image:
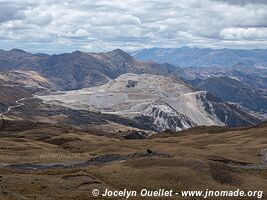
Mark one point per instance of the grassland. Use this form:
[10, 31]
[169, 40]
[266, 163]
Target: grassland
[199, 160]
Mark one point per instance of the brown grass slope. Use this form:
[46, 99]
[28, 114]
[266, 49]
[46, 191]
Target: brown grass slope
[192, 164]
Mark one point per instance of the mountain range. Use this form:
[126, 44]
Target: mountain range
[116, 88]
[203, 57]
[236, 76]
[76, 70]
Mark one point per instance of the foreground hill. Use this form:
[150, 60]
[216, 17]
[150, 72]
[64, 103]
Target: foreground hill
[211, 158]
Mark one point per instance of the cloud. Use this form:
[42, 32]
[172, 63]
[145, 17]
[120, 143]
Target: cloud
[89, 25]
[8, 13]
[244, 33]
[243, 2]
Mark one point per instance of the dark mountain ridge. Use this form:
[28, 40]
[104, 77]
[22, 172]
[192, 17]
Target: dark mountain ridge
[242, 85]
[78, 69]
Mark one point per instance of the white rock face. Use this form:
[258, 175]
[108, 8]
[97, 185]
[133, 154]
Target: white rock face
[166, 118]
[169, 102]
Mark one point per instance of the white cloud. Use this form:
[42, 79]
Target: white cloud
[244, 34]
[90, 25]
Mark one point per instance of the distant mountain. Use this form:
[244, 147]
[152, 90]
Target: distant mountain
[232, 90]
[255, 77]
[16, 59]
[246, 87]
[203, 57]
[77, 70]
[163, 102]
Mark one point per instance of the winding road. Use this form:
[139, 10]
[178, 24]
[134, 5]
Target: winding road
[18, 102]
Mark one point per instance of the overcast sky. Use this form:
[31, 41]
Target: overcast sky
[101, 25]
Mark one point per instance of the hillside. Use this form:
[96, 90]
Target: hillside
[19, 84]
[228, 159]
[166, 102]
[232, 90]
[243, 86]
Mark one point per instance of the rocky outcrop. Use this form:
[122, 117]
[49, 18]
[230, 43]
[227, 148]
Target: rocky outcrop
[166, 118]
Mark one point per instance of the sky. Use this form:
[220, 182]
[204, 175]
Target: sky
[51, 26]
